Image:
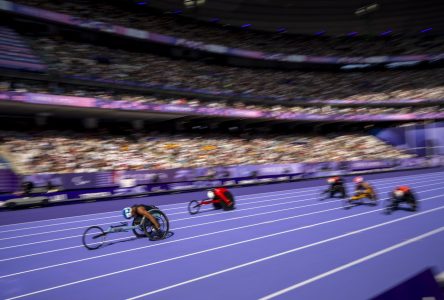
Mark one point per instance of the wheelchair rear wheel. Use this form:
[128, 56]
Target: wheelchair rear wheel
[163, 221]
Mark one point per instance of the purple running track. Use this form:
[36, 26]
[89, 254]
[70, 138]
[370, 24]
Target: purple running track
[282, 242]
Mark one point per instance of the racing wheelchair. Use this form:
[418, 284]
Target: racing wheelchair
[220, 198]
[335, 189]
[361, 197]
[95, 236]
[401, 198]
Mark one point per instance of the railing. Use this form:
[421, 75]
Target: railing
[86, 102]
[146, 186]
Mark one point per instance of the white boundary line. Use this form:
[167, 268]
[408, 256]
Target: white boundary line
[222, 247]
[195, 225]
[314, 190]
[178, 204]
[202, 216]
[75, 236]
[100, 224]
[184, 208]
[163, 206]
[226, 230]
[412, 240]
[353, 263]
[183, 219]
[183, 205]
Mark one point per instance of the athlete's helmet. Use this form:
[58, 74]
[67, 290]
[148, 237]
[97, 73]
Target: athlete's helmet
[126, 212]
[358, 179]
[331, 180]
[399, 193]
[210, 194]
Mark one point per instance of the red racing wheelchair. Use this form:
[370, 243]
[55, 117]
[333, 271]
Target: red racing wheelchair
[220, 198]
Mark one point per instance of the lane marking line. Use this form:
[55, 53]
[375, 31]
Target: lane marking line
[271, 257]
[188, 218]
[183, 207]
[222, 247]
[354, 263]
[230, 245]
[95, 214]
[196, 225]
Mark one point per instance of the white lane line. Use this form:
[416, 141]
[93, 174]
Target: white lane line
[415, 239]
[353, 263]
[187, 218]
[175, 229]
[284, 209]
[192, 217]
[77, 236]
[41, 242]
[221, 231]
[183, 219]
[419, 176]
[119, 216]
[310, 190]
[178, 228]
[183, 206]
[196, 225]
[163, 206]
[295, 201]
[226, 246]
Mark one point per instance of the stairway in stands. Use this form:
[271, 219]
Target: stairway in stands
[16, 54]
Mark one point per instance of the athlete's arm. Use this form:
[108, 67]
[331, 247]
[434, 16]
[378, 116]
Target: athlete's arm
[142, 211]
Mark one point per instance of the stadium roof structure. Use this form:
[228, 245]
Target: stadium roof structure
[339, 17]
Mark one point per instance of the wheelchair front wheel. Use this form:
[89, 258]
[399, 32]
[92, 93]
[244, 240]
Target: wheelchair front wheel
[347, 203]
[388, 206]
[138, 231]
[93, 237]
[374, 202]
[193, 207]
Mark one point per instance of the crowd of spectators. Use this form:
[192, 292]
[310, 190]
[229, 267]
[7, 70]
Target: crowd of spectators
[98, 62]
[72, 151]
[247, 39]
[63, 151]
[326, 109]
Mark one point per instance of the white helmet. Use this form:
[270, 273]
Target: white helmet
[399, 193]
[126, 212]
[358, 179]
[210, 194]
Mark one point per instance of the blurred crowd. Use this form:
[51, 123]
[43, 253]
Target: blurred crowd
[41, 87]
[177, 26]
[98, 62]
[67, 151]
[72, 151]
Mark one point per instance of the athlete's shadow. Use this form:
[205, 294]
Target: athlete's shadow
[334, 198]
[206, 211]
[108, 244]
[401, 208]
[169, 234]
[209, 210]
[356, 204]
